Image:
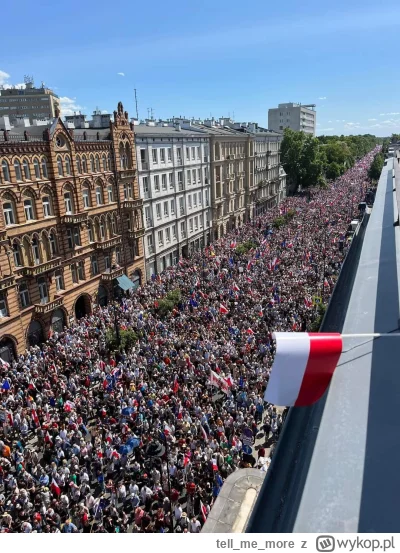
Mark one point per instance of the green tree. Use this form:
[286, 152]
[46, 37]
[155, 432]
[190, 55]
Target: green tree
[301, 159]
[128, 339]
[375, 170]
[333, 170]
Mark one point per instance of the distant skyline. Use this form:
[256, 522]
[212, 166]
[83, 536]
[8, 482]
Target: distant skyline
[213, 59]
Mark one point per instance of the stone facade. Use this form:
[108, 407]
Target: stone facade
[71, 222]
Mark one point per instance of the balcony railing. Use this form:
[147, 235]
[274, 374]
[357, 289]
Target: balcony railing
[127, 174]
[106, 244]
[132, 234]
[7, 282]
[132, 204]
[42, 268]
[74, 218]
[41, 308]
[111, 274]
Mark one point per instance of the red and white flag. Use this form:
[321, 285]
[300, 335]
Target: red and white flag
[203, 510]
[35, 418]
[233, 244]
[176, 384]
[55, 488]
[222, 309]
[235, 287]
[303, 367]
[204, 433]
[214, 464]
[308, 302]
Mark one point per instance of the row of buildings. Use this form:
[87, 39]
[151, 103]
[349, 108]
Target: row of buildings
[90, 209]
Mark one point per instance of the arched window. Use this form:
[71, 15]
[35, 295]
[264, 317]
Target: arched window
[6, 171]
[97, 163]
[9, 212]
[29, 209]
[36, 167]
[86, 197]
[44, 167]
[104, 160]
[27, 172]
[68, 165]
[110, 193]
[47, 206]
[78, 164]
[128, 156]
[35, 251]
[90, 232]
[113, 225]
[18, 259]
[109, 162]
[17, 169]
[99, 195]
[122, 156]
[60, 167]
[102, 230]
[92, 163]
[68, 202]
[53, 244]
[84, 164]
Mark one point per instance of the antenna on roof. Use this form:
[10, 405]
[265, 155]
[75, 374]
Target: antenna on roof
[137, 112]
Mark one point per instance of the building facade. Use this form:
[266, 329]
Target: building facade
[29, 102]
[71, 226]
[297, 117]
[174, 180]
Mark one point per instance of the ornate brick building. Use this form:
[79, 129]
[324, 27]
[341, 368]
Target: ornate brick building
[71, 226]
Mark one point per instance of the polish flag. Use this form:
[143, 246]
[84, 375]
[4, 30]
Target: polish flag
[55, 488]
[204, 433]
[167, 430]
[35, 418]
[203, 510]
[249, 264]
[229, 380]
[326, 283]
[235, 287]
[222, 309]
[176, 385]
[249, 279]
[303, 367]
[308, 302]
[233, 244]
[250, 331]
[214, 464]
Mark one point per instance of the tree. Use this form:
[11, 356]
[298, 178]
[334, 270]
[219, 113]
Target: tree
[375, 170]
[291, 149]
[301, 159]
[128, 339]
[311, 163]
[333, 170]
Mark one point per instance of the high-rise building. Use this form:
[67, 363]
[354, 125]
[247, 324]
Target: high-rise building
[29, 102]
[297, 117]
[71, 226]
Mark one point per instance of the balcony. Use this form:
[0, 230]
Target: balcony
[7, 282]
[42, 268]
[3, 236]
[42, 308]
[132, 204]
[111, 274]
[133, 234]
[74, 218]
[231, 176]
[127, 174]
[106, 244]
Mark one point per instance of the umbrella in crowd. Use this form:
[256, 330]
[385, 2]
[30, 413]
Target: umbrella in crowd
[142, 440]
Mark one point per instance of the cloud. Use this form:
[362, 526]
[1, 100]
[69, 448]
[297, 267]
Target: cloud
[121, 74]
[372, 119]
[329, 121]
[390, 113]
[4, 77]
[104, 111]
[322, 98]
[69, 105]
[351, 125]
[326, 130]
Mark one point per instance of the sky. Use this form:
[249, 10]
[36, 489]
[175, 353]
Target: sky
[212, 57]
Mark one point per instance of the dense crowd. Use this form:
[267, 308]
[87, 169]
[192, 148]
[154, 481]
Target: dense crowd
[140, 440]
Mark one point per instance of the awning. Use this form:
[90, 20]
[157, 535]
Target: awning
[124, 282]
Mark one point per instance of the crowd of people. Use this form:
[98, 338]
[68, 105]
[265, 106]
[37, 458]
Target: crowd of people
[142, 439]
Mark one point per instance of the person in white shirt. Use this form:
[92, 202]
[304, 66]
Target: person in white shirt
[195, 526]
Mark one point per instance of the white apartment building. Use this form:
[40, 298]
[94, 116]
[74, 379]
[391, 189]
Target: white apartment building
[298, 117]
[174, 179]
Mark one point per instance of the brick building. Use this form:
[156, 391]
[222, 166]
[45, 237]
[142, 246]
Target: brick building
[71, 226]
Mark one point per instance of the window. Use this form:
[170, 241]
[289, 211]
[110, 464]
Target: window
[174, 232]
[28, 208]
[181, 208]
[17, 168]
[3, 305]
[128, 191]
[142, 155]
[183, 233]
[172, 207]
[102, 229]
[9, 216]
[162, 155]
[104, 161]
[193, 153]
[179, 155]
[188, 177]
[201, 220]
[70, 238]
[187, 154]
[24, 295]
[118, 255]
[109, 162]
[196, 223]
[97, 163]
[81, 270]
[74, 274]
[168, 235]
[35, 251]
[43, 292]
[58, 277]
[94, 265]
[17, 254]
[129, 222]
[150, 243]
[171, 180]
[157, 183]
[86, 197]
[27, 173]
[195, 200]
[154, 155]
[200, 198]
[68, 165]
[198, 152]
[99, 195]
[207, 198]
[113, 226]
[68, 203]
[44, 167]
[190, 201]
[60, 167]
[199, 175]
[160, 238]
[77, 236]
[53, 244]
[164, 181]
[6, 171]
[92, 163]
[169, 154]
[107, 262]
[84, 164]
[145, 182]
[180, 180]
[147, 216]
[90, 233]
[191, 225]
[36, 168]
[193, 176]
[110, 193]
[158, 211]
[165, 209]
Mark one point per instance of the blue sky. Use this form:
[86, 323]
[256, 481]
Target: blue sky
[214, 57]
